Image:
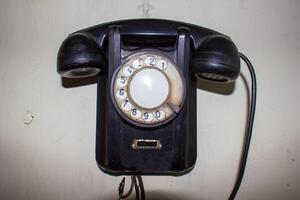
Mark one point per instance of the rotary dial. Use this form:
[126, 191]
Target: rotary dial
[148, 89]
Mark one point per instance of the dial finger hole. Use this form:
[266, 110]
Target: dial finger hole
[150, 61]
[122, 81]
[162, 64]
[160, 115]
[137, 63]
[126, 105]
[121, 94]
[127, 71]
[136, 113]
[148, 117]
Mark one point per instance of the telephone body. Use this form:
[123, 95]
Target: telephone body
[146, 89]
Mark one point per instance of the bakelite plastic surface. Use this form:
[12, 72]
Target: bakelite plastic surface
[195, 51]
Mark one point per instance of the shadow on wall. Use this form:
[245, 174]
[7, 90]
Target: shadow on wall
[164, 195]
[157, 195]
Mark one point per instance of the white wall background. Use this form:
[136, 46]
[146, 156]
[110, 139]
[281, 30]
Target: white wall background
[53, 157]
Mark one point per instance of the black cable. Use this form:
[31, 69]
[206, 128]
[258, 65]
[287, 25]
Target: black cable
[122, 186]
[137, 191]
[141, 184]
[249, 128]
[137, 183]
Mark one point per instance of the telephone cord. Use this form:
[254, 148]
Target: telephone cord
[249, 127]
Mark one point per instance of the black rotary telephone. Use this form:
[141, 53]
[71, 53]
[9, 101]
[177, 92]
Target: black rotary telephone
[146, 75]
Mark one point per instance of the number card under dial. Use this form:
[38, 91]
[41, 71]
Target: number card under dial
[148, 89]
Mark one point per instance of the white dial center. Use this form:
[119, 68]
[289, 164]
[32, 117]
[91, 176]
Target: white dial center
[149, 88]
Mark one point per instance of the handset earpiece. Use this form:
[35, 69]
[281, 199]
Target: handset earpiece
[216, 59]
[80, 56]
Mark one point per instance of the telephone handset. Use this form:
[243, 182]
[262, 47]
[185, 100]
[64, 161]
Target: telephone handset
[146, 100]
